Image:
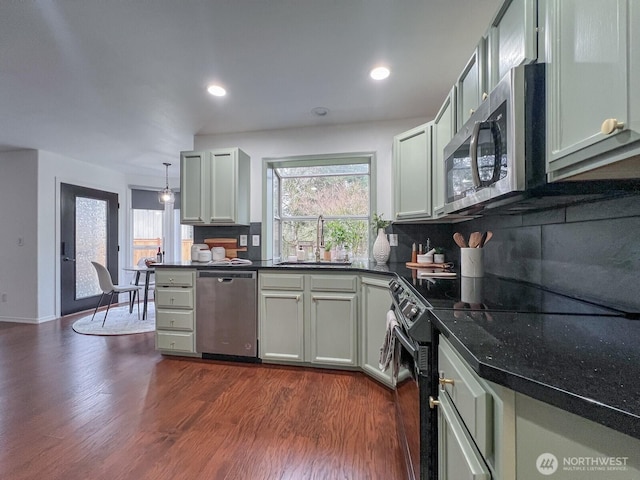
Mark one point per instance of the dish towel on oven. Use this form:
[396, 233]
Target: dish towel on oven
[386, 351]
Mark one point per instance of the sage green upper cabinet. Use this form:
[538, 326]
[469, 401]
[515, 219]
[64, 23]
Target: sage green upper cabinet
[214, 187]
[412, 174]
[442, 133]
[471, 84]
[593, 71]
[512, 38]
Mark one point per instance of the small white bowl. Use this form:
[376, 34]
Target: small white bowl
[425, 258]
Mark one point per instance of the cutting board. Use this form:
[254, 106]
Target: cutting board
[429, 265]
[230, 245]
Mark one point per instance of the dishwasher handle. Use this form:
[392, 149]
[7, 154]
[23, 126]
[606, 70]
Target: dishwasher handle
[225, 276]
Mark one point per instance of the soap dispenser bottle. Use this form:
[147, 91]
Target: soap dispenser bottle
[300, 253]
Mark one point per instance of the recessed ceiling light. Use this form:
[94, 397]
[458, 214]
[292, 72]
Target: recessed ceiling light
[320, 111]
[380, 73]
[216, 90]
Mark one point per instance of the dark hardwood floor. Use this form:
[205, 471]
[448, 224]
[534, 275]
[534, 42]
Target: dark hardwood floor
[85, 407]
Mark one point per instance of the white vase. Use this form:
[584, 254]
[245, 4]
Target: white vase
[381, 247]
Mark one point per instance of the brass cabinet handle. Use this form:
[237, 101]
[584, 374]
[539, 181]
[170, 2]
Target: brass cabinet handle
[446, 381]
[433, 403]
[610, 125]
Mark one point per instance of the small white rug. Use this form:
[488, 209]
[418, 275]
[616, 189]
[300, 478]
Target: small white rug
[119, 322]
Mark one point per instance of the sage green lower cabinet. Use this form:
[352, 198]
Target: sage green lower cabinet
[458, 457]
[334, 330]
[553, 443]
[310, 319]
[175, 312]
[281, 323]
[375, 302]
[333, 320]
[476, 422]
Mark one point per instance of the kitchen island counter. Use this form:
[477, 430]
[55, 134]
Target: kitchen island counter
[587, 365]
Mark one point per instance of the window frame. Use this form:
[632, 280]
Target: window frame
[270, 211]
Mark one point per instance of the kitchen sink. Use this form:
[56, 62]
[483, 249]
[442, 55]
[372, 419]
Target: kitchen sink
[314, 264]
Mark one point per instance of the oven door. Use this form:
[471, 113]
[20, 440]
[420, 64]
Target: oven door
[407, 400]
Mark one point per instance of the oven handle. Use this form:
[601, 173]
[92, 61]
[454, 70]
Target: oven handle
[404, 340]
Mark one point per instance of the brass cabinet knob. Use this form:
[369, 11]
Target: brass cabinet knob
[471, 111]
[484, 96]
[610, 125]
[446, 381]
[433, 403]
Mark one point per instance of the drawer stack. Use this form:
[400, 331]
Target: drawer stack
[175, 314]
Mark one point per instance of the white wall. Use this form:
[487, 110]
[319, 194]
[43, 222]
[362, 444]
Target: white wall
[374, 137]
[19, 220]
[30, 210]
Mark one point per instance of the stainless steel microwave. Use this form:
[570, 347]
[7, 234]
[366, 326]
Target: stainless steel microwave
[500, 151]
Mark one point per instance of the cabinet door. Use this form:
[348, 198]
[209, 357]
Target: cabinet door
[223, 180]
[334, 328]
[192, 166]
[458, 456]
[471, 85]
[588, 83]
[512, 38]
[443, 131]
[281, 326]
[375, 304]
[412, 173]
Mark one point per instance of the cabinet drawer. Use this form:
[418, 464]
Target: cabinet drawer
[284, 281]
[175, 341]
[174, 297]
[472, 401]
[334, 283]
[174, 319]
[177, 278]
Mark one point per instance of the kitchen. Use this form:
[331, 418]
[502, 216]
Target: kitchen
[548, 248]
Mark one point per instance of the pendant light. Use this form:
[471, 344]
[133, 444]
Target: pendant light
[166, 195]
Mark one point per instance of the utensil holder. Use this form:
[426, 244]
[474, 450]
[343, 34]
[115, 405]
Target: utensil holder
[471, 262]
[471, 290]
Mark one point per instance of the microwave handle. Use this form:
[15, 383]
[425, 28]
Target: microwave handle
[473, 148]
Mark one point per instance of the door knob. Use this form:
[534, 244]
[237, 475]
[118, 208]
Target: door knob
[610, 125]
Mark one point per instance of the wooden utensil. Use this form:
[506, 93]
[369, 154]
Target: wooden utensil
[474, 239]
[489, 234]
[459, 239]
[483, 238]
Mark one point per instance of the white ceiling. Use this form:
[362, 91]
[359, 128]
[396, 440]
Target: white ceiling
[122, 82]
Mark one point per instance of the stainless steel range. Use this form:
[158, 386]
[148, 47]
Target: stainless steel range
[413, 355]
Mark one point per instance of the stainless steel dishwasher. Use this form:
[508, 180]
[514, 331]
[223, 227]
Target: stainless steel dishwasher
[226, 314]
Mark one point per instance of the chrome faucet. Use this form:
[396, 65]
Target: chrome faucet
[319, 236]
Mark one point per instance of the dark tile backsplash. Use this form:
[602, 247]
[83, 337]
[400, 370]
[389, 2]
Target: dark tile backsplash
[589, 251]
[232, 231]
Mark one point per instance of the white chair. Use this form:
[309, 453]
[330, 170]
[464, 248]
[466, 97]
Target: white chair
[108, 288]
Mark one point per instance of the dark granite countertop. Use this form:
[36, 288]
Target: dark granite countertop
[587, 365]
[358, 266]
